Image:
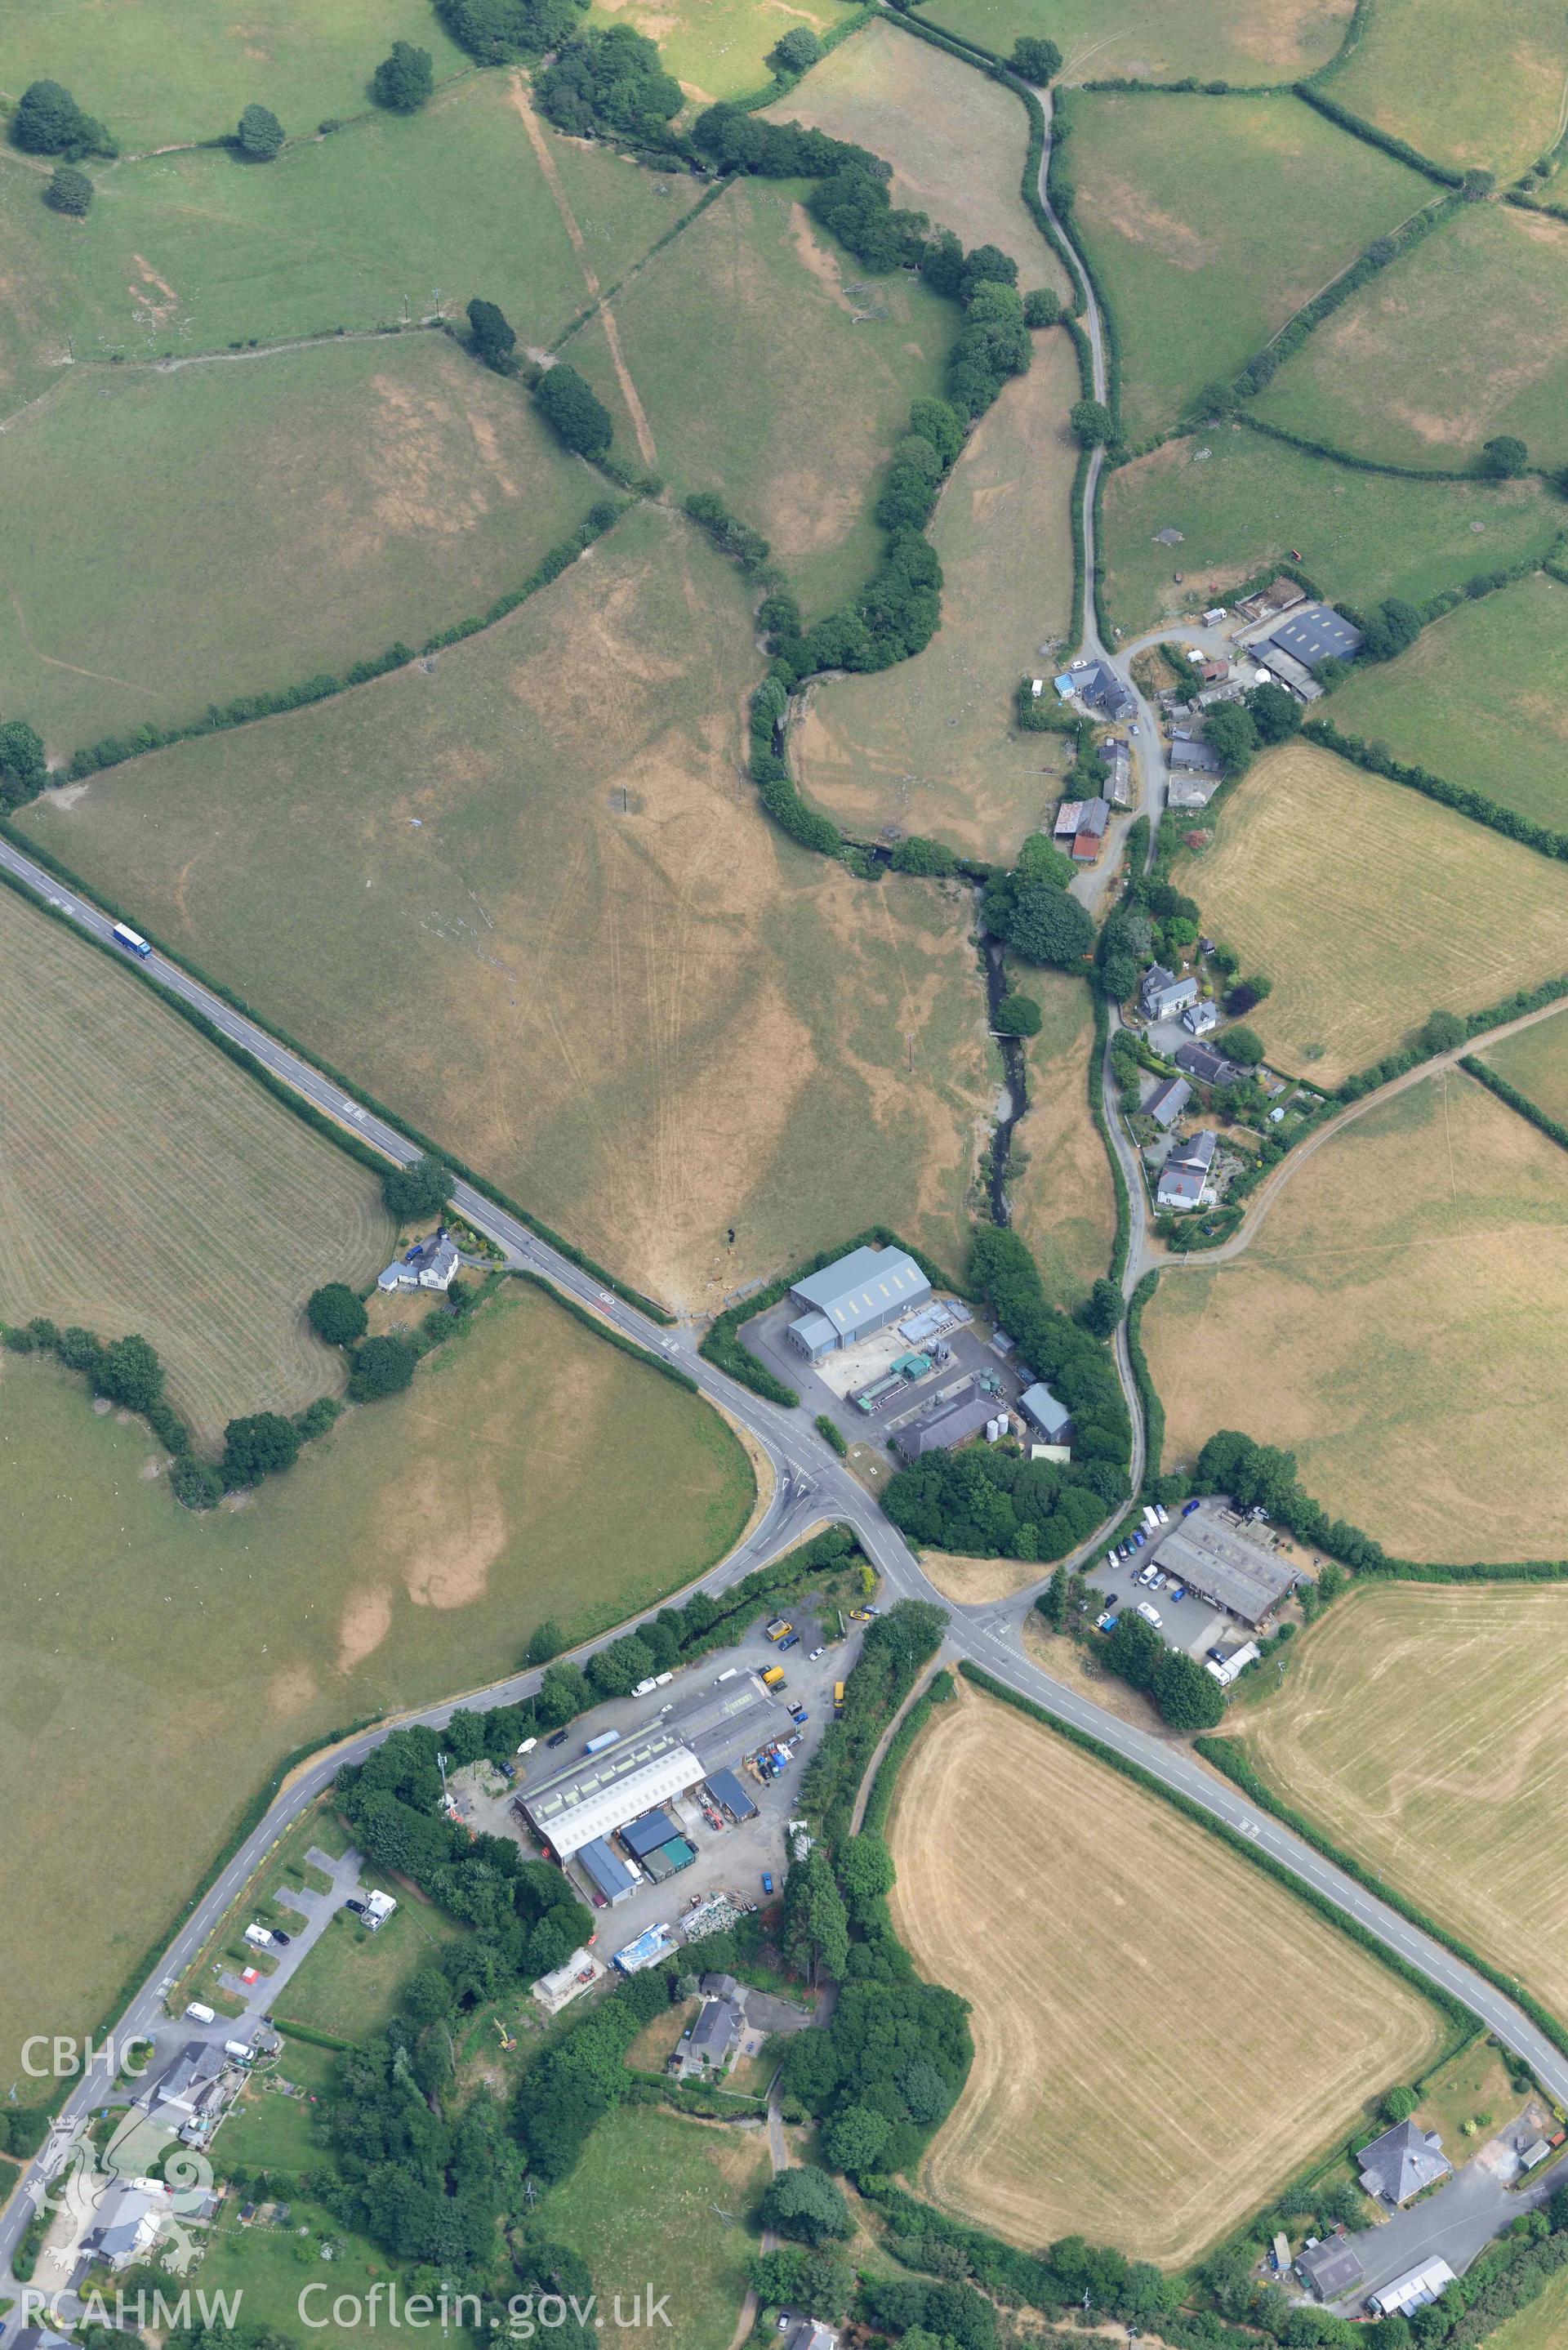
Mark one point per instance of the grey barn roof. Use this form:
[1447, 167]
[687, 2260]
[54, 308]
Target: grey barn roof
[1223, 1565]
[1330, 2268]
[954, 1425]
[1312, 631]
[860, 1288]
[1195, 757]
[1401, 2162]
[1050, 1415]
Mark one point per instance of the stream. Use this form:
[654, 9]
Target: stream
[1016, 1100]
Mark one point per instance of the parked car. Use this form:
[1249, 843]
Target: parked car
[357, 1906]
[873, 1611]
[1105, 1623]
[557, 1738]
[1150, 1614]
[767, 1880]
[790, 1640]
[814, 1654]
[797, 1713]
[1188, 1508]
[1113, 1600]
[280, 1939]
[1177, 1593]
[1139, 1539]
[509, 1773]
[1157, 1580]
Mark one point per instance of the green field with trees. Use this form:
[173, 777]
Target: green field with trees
[1460, 341]
[1242, 501]
[720, 48]
[259, 523]
[173, 69]
[1150, 41]
[411, 1552]
[390, 218]
[1211, 221]
[1480, 699]
[1419, 73]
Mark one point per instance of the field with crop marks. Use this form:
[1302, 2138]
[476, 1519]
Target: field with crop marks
[1212, 220]
[1062, 1196]
[391, 218]
[531, 901]
[1150, 41]
[766, 370]
[1092, 1995]
[407, 1556]
[1369, 907]
[931, 746]
[1423, 1727]
[256, 524]
[166, 69]
[650, 2183]
[1241, 502]
[1465, 338]
[146, 1184]
[1393, 1322]
[1480, 698]
[957, 141]
[1419, 72]
[1536, 1061]
[719, 48]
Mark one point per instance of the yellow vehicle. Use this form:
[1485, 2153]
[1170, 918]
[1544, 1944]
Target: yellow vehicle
[837, 1699]
[778, 1629]
[774, 1678]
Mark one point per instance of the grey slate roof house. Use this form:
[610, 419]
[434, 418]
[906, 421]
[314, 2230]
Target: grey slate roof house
[429, 1264]
[1102, 689]
[1397, 2165]
[1185, 1172]
[1168, 1101]
[715, 2033]
[1161, 993]
[1209, 1067]
[1192, 758]
[1331, 2267]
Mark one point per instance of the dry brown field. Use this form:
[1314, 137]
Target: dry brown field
[1536, 1061]
[1396, 1323]
[1098, 2017]
[1063, 1201]
[930, 746]
[1425, 1727]
[529, 900]
[1369, 907]
[146, 1184]
[957, 141]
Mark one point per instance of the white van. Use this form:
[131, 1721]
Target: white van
[259, 1936]
[1150, 1614]
[241, 2049]
[197, 2014]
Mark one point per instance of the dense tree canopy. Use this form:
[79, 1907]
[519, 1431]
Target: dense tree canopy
[420, 1190]
[382, 1367]
[404, 80]
[492, 335]
[258, 1446]
[260, 134]
[611, 81]
[1039, 61]
[48, 121]
[336, 1315]
[575, 410]
[24, 771]
[70, 191]
[498, 31]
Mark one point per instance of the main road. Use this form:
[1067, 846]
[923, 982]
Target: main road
[809, 1484]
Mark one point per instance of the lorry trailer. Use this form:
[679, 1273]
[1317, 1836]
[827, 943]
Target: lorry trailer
[131, 940]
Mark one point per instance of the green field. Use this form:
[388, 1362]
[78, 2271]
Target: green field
[1369, 906]
[930, 746]
[530, 900]
[1536, 1061]
[1148, 38]
[196, 251]
[957, 141]
[1419, 72]
[1241, 502]
[160, 1665]
[718, 48]
[1062, 1197]
[37, 250]
[145, 1184]
[1393, 1321]
[269, 2131]
[1480, 698]
[763, 377]
[164, 70]
[254, 522]
[641, 2205]
[351, 1984]
[1543, 2326]
[1212, 222]
[1463, 339]
[272, 2266]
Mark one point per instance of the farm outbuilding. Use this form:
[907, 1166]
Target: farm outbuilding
[1415, 2290]
[606, 1870]
[853, 1298]
[729, 1795]
[1052, 1418]
[947, 1425]
[1330, 2268]
[1220, 1564]
[645, 1835]
[1313, 632]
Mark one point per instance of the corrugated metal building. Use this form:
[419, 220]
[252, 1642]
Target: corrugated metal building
[645, 1835]
[1222, 1565]
[853, 1298]
[728, 1793]
[607, 1870]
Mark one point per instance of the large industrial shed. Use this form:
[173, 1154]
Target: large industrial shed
[860, 1294]
[1223, 1565]
[598, 1794]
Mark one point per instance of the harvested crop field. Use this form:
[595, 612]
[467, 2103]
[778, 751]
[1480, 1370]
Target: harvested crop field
[530, 900]
[1150, 40]
[1464, 339]
[1536, 1061]
[1396, 1322]
[1424, 1728]
[1480, 699]
[259, 523]
[768, 371]
[1241, 502]
[1419, 72]
[930, 746]
[391, 217]
[1096, 1998]
[409, 1554]
[168, 69]
[146, 1184]
[1437, 913]
[718, 48]
[1212, 220]
[957, 141]
[1062, 1198]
